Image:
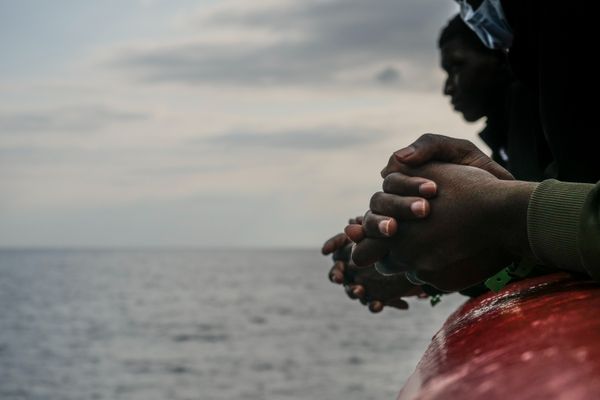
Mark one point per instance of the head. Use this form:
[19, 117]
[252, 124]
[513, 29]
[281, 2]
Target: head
[477, 76]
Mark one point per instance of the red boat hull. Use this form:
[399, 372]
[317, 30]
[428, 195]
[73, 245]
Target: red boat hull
[536, 339]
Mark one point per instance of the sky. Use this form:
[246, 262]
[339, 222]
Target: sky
[208, 123]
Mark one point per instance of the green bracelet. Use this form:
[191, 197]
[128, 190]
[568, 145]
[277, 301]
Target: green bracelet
[436, 298]
[435, 295]
[501, 279]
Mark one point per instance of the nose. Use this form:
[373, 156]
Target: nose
[450, 84]
[448, 87]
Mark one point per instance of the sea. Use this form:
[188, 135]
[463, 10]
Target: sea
[184, 324]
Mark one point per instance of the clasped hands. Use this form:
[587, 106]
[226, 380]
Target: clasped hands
[448, 216]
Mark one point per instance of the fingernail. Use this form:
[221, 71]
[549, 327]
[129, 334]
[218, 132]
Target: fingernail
[405, 152]
[428, 188]
[418, 208]
[356, 292]
[384, 227]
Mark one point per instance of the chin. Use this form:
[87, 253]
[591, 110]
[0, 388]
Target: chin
[471, 117]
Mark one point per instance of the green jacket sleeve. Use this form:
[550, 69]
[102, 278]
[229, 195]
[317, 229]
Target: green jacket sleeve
[563, 225]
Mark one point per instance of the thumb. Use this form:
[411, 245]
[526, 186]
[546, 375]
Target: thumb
[431, 147]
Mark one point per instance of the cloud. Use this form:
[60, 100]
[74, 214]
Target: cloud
[389, 76]
[66, 119]
[309, 43]
[315, 139]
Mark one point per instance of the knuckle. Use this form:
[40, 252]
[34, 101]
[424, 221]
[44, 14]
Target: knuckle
[388, 183]
[374, 202]
[427, 138]
[357, 256]
[466, 144]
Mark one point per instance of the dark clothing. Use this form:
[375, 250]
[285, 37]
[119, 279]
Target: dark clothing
[563, 225]
[516, 138]
[552, 128]
[529, 156]
[547, 58]
[495, 136]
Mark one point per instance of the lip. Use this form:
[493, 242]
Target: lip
[457, 105]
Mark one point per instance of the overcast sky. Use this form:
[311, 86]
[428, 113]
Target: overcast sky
[208, 122]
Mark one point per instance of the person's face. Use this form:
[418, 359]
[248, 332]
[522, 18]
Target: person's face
[474, 81]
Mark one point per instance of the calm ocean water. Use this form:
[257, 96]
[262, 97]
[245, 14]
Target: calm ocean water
[197, 325]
